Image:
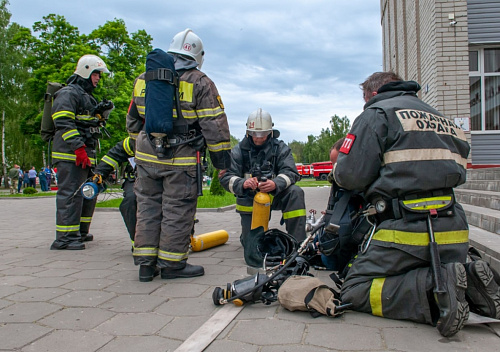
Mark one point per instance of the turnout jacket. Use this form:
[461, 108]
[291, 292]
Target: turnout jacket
[400, 145]
[203, 111]
[125, 148]
[72, 113]
[245, 156]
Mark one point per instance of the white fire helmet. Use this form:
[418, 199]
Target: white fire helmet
[189, 44]
[259, 123]
[88, 64]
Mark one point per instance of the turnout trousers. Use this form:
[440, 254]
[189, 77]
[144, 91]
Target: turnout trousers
[292, 205]
[393, 278]
[74, 213]
[128, 208]
[166, 208]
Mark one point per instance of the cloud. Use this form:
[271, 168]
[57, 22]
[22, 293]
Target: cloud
[300, 60]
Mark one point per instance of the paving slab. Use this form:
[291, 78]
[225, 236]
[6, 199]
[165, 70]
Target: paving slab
[92, 300]
[15, 336]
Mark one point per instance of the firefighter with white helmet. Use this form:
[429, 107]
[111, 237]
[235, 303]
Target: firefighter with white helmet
[166, 183]
[88, 64]
[77, 131]
[189, 44]
[260, 151]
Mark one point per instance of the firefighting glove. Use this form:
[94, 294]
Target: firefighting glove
[82, 157]
[97, 179]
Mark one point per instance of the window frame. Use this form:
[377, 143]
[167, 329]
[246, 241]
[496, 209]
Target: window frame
[482, 75]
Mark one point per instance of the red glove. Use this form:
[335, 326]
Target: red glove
[82, 157]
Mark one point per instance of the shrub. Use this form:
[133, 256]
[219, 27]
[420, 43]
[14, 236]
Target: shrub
[29, 190]
[215, 187]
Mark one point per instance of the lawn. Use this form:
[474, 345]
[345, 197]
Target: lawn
[112, 197]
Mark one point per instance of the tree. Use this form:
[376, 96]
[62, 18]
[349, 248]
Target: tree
[297, 148]
[318, 148]
[52, 56]
[13, 100]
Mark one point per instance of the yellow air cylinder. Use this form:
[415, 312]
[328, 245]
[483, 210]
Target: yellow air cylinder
[208, 240]
[261, 211]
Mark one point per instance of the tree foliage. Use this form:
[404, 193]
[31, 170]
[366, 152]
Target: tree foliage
[317, 148]
[13, 93]
[50, 53]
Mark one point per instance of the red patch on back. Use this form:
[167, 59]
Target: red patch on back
[348, 142]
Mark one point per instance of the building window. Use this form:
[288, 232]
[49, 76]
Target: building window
[473, 63]
[484, 84]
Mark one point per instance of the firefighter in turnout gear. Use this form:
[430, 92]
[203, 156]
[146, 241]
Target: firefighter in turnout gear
[407, 157]
[260, 151]
[77, 130]
[124, 152]
[166, 185]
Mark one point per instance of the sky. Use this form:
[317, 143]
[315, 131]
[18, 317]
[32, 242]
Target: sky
[300, 60]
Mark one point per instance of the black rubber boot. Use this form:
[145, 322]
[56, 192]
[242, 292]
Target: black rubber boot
[147, 273]
[453, 308]
[75, 245]
[87, 237]
[188, 271]
[483, 292]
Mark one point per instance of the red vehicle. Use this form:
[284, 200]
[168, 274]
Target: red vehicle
[304, 170]
[321, 170]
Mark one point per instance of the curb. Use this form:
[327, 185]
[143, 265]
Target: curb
[200, 210]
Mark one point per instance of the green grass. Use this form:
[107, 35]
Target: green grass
[207, 201]
[311, 182]
[39, 194]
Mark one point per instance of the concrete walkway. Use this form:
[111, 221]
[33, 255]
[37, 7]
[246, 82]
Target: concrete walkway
[92, 300]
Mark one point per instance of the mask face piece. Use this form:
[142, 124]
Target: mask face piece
[258, 134]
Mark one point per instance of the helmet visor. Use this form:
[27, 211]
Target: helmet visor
[259, 134]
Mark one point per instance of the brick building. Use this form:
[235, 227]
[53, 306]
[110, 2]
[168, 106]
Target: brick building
[452, 48]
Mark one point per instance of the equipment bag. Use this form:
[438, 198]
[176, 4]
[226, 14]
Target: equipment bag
[162, 82]
[309, 294]
[48, 128]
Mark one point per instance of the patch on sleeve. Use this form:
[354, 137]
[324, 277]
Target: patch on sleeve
[348, 142]
[220, 102]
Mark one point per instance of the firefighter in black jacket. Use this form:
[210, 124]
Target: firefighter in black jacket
[78, 129]
[261, 149]
[407, 157]
[123, 152]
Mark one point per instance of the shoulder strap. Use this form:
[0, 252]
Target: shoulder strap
[340, 207]
[314, 313]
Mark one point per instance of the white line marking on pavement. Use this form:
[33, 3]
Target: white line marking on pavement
[201, 338]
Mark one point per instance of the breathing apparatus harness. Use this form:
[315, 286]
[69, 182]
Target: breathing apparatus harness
[163, 134]
[262, 287]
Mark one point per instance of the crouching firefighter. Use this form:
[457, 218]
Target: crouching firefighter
[261, 162]
[168, 153]
[77, 132]
[407, 158]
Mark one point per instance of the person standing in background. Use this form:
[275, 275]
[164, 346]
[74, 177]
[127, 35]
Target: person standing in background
[32, 177]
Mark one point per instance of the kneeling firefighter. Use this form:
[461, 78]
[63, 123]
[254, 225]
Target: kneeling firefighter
[168, 152]
[261, 162]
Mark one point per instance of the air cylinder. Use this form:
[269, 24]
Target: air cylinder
[261, 211]
[208, 240]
